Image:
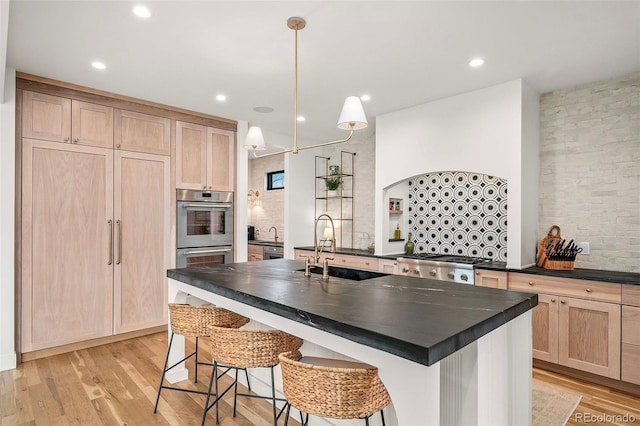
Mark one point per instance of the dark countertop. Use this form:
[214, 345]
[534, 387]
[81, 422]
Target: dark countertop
[617, 277]
[353, 252]
[418, 319]
[266, 243]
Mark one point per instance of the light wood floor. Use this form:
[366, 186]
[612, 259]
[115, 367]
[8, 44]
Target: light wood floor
[116, 384]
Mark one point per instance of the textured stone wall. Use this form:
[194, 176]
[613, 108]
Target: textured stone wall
[590, 170]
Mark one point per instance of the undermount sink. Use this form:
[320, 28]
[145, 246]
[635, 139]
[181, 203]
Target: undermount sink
[346, 273]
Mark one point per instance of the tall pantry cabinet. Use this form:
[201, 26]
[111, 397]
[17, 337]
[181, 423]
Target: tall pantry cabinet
[96, 215]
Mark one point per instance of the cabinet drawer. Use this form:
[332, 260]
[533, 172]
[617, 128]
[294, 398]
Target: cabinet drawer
[255, 250]
[630, 362]
[631, 325]
[631, 295]
[583, 289]
[355, 262]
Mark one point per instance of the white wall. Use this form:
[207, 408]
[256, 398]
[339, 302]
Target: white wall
[242, 171]
[530, 164]
[479, 131]
[7, 223]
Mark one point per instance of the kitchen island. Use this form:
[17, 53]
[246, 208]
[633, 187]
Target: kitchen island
[447, 353]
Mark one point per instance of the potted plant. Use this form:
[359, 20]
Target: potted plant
[332, 184]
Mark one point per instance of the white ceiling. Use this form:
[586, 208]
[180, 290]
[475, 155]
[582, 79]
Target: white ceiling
[402, 53]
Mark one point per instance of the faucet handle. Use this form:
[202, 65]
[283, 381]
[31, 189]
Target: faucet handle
[325, 268]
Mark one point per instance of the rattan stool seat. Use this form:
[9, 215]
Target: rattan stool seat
[332, 388]
[247, 349]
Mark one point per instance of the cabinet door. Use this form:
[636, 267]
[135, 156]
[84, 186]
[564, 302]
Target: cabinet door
[493, 279]
[46, 117]
[191, 156]
[67, 272]
[630, 369]
[221, 159]
[142, 203]
[545, 328]
[142, 133]
[91, 124]
[388, 266]
[589, 336]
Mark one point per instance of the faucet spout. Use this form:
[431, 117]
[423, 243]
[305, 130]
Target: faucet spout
[317, 252]
[276, 236]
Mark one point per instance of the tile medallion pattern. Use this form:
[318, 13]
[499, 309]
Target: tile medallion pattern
[459, 213]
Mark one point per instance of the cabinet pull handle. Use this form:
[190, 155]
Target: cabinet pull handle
[563, 301]
[110, 223]
[118, 145]
[66, 139]
[553, 300]
[588, 290]
[76, 140]
[477, 272]
[119, 224]
[530, 282]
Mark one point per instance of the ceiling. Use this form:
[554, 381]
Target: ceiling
[401, 53]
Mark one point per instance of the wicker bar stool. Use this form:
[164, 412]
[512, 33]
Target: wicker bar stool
[194, 321]
[332, 388]
[247, 349]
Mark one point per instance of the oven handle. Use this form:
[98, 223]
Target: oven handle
[188, 252]
[207, 205]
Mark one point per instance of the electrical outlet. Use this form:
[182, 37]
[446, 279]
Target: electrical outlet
[585, 247]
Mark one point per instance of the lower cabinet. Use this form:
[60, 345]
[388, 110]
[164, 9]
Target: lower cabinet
[489, 278]
[388, 266]
[254, 252]
[94, 244]
[574, 331]
[630, 369]
[343, 260]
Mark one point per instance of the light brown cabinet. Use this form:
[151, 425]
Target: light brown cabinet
[581, 332]
[67, 241]
[95, 246]
[489, 278]
[139, 132]
[205, 158]
[342, 260]
[255, 252]
[59, 119]
[630, 368]
[388, 266]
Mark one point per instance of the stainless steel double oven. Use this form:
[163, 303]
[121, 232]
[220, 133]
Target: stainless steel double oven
[204, 225]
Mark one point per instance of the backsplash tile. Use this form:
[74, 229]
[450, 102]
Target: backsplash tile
[459, 213]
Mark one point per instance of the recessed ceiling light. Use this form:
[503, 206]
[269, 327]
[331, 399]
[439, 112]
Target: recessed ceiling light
[300, 118]
[263, 109]
[365, 98]
[98, 65]
[476, 62]
[142, 11]
[221, 98]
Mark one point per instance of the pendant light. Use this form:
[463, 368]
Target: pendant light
[352, 116]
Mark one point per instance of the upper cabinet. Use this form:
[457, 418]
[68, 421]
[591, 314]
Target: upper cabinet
[205, 158]
[59, 119]
[142, 133]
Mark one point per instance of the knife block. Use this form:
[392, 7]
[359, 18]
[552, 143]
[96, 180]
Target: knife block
[559, 265]
[553, 236]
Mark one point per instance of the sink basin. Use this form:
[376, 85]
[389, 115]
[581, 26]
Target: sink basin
[346, 273]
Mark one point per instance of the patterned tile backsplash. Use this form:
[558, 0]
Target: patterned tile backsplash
[459, 213]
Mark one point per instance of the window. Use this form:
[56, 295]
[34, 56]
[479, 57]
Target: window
[275, 180]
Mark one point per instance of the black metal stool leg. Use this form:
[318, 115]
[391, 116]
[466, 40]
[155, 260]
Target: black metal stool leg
[247, 374]
[164, 371]
[382, 415]
[206, 403]
[366, 421]
[215, 375]
[286, 416]
[273, 398]
[196, 379]
[235, 394]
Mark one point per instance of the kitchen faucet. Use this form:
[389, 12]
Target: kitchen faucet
[275, 229]
[318, 252]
